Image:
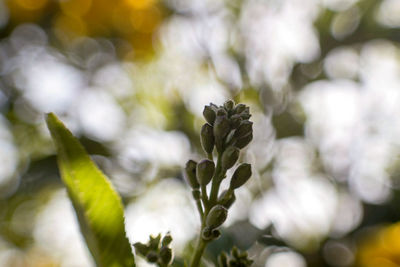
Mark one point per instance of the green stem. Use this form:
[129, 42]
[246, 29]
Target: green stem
[216, 181]
[204, 197]
[199, 208]
[208, 204]
[201, 245]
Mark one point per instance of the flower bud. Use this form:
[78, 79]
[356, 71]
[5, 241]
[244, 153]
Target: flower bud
[141, 249]
[244, 141]
[190, 174]
[239, 108]
[167, 239]
[245, 128]
[221, 127]
[205, 171]
[209, 114]
[229, 104]
[210, 234]
[235, 121]
[235, 252]
[207, 138]
[245, 115]
[216, 217]
[241, 175]
[221, 112]
[223, 259]
[229, 157]
[227, 198]
[206, 234]
[152, 257]
[154, 242]
[166, 255]
[215, 233]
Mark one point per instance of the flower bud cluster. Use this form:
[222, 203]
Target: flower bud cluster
[157, 250]
[227, 125]
[237, 258]
[228, 129]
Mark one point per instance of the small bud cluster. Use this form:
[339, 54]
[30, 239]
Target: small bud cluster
[157, 250]
[227, 125]
[237, 259]
[229, 130]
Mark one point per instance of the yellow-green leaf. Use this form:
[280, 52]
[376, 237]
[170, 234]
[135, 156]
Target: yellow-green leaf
[98, 206]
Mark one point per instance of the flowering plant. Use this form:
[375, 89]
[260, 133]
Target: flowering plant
[99, 208]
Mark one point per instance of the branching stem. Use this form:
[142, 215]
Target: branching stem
[204, 197]
[199, 208]
[216, 181]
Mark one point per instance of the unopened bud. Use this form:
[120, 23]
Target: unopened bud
[221, 112]
[209, 114]
[167, 239]
[244, 141]
[223, 259]
[227, 198]
[207, 138]
[245, 115]
[216, 217]
[166, 255]
[141, 249]
[190, 174]
[221, 127]
[239, 108]
[229, 157]
[206, 234]
[205, 171]
[245, 128]
[241, 175]
[235, 252]
[235, 121]
[152, 256]
[210, 234]
[229, 104]
[154, 242]
[215, 233]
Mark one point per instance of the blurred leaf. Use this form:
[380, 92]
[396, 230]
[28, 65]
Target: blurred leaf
[97, 204]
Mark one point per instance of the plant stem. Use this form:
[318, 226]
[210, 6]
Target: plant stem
[216, 181]
[201, 245]
[208, 204]
[199, 208]
[204, 197]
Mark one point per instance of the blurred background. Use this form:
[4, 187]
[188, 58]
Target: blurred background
[130, 78]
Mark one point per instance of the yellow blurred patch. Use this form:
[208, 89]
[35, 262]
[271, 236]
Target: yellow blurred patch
[132, 20]
[140, 4]
[145, 21]
[381, 248]
[68, 28]
[75, 8]
[31, 4]
[26, 10]
[120, 20]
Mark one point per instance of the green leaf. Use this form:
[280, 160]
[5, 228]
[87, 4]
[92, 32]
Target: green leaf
[98, 206]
